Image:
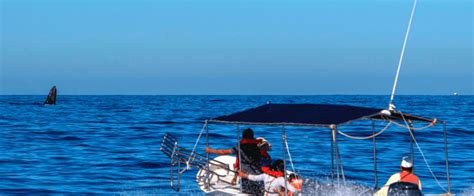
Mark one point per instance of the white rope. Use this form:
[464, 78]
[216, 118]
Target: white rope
[401, 55]
[365, 137]
[289, 155]
[195, 145]
[422, 154]
[412, 128]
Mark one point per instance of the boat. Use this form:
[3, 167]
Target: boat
[214, 176]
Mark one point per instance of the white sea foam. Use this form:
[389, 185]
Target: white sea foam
[312, 187]
[468, 192]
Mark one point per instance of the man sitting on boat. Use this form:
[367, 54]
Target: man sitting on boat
[264, 146]
[405, 175]
[251, 157]
[273, 179]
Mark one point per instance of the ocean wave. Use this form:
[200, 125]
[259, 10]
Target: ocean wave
[71, 138]
[150, 165]
[468, 192]
[108, 141]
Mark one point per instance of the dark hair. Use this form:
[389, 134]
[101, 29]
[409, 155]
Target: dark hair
[247, 134]
[408, 169]
[278, 165]
[293, 177]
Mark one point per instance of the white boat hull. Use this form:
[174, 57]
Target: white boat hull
[220, 181]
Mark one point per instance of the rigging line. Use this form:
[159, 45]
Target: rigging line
[195, 145]
[366, 137]
[401, 55]
[422, 154]
[289, 155]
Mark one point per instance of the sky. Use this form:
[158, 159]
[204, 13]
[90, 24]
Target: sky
[233, 47]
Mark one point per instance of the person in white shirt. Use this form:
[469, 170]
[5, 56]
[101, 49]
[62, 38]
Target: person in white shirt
[273, 180]
[405, 175]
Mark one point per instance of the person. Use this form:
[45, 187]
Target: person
[274, 181]
[250, 159]
[264, 147]
[406, 175]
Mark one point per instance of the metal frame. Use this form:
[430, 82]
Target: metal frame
[412, 151]
[239, 154]
[178, 155]
[374, 144]
[283, 139]
[207, 180]
[446, 156]
[335, 155]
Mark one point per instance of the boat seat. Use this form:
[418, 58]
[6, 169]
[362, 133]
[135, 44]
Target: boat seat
[404, 189]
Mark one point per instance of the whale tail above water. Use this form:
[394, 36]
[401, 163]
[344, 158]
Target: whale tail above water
[51, 99]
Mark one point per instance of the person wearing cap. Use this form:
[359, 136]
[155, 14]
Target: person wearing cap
[264, 146]
[405, 175]
[250, 156]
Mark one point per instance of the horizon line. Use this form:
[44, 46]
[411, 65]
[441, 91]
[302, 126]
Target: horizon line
[238, 95]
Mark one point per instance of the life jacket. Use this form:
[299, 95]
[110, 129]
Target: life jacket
[264, 154]
[296, 183]
[273, 173]
[252, 152]
[265, 159]
[409, 177]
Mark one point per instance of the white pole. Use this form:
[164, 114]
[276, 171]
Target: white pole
[283, 138]
[240, 156]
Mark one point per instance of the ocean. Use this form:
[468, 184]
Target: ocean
[111, 144]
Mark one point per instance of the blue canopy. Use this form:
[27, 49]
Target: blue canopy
[310, 114]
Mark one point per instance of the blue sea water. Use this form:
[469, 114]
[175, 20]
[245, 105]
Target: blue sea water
[110, 144]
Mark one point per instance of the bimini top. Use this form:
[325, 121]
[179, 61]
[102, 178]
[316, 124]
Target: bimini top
[311, 114]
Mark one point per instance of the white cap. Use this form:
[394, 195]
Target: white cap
[263, 142]
[406, 162]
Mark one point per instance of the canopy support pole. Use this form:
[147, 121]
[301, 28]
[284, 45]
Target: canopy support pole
[335, 152]
[340, 169]
[412, 151]
[240, 160]
[332, 153]
[283, 137]
[207, 140]
[207, 154]
[446, 156]
[374, 142]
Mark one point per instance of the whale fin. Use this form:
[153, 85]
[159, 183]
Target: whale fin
[51, 96]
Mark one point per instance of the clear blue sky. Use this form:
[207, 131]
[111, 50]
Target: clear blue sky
[234, 46]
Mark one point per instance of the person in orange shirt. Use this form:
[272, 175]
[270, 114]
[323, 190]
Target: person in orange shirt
[406, 175]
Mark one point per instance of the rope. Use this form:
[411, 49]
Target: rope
[414, 128]
[422, 154]
[289, 155]
[401, 55]
[195, 145]
[366, 137]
